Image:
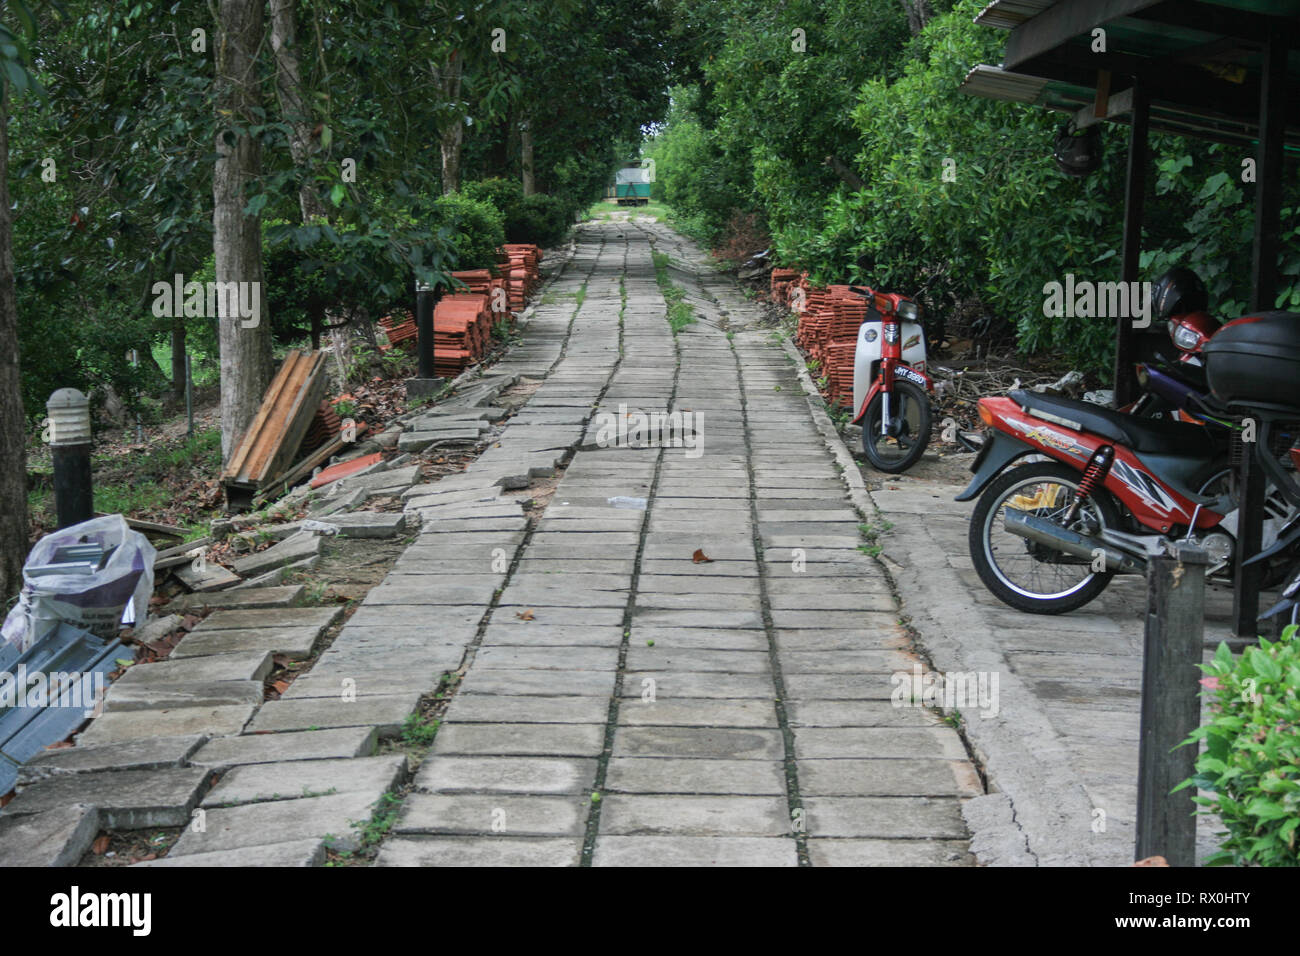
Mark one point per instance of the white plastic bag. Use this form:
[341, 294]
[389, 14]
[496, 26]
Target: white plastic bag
[97, 602]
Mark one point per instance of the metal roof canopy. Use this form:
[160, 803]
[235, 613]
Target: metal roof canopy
[1223, 70]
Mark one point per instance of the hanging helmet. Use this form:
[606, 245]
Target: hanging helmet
[1178, 292]
[1077, 153]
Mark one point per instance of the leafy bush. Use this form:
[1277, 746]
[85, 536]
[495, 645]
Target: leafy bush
[1251, 762]
[539, 218]
[545, 221]
[476, 228]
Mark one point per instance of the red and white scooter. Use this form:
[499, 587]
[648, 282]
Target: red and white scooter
[891, 390]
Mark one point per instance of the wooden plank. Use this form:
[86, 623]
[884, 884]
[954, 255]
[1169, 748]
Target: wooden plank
[299, 418]
[303, 468]
[272, 428]
[282, 422]
[186, 547]
[236, 464]
[1171, 704]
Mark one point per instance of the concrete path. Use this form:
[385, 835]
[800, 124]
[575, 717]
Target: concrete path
[626, 702]
[683, 659]
[1061, 750]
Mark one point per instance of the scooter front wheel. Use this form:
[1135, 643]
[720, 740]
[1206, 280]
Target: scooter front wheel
[901, 444]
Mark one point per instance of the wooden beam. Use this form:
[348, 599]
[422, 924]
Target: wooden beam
[1117, 105]
[1101, 104]
[1125, 379]
[1059, 24]
[1273, 96]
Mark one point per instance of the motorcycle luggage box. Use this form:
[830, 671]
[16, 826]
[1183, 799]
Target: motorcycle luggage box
[1256, 359]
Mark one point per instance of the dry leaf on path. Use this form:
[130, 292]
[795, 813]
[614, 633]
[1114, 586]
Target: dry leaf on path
[699, 557]
[525, 615]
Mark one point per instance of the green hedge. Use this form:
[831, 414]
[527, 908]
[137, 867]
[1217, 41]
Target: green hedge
[538, 218]
[1251, 762]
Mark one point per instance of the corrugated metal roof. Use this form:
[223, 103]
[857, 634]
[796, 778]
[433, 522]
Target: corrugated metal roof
[25, 731]
[1008, 14]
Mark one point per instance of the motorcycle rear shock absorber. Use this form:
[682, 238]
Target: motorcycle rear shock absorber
[1093, 475]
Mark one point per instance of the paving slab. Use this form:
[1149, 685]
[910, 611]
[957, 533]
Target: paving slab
[275, 748]
[892, 853]
[286, 596]
[655, 815]
[544, 775]
[658, 851]
[480, 851]
[498, 814]
[255, 783]
[294, 853]
[294, 641]
[695, 775]
[118, 726]
[884, 817]
[755, 744]
[238, 619]
[58, 837]
[155, 696]
[477, 708]
[235, 666]
[280, 821]
[561, 740]
[670, 712]
[126, 799]
[304, 544]
[149, 753]
[385, 712]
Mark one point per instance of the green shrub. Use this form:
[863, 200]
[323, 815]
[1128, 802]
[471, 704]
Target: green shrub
[1251, 761]
[538, 218]
[546, 220]
[476, 229]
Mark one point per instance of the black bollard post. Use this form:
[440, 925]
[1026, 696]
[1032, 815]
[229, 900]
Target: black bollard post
[426, 380]
[69, 438]
[424, 326]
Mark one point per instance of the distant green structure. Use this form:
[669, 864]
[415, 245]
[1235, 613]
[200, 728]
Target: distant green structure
[632, 184]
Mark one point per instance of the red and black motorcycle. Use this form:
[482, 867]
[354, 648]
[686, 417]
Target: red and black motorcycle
[1104, 488]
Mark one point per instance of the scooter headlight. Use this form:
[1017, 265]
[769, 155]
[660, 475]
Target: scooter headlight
[908, 311]
[1186, 338]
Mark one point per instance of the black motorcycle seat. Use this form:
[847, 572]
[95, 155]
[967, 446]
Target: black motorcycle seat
[1150, 436]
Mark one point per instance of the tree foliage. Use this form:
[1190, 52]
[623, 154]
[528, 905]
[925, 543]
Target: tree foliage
[752, 127]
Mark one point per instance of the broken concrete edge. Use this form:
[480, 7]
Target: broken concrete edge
[1043, 790]
[996, 837]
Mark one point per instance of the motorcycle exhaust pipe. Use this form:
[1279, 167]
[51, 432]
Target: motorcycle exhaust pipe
[1076, 545]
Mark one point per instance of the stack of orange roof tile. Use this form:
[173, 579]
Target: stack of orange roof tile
[522, 268]
[828, 332]
[323, 427]
[781, 280]
[483, 282]
[401, 330]
[462, 330]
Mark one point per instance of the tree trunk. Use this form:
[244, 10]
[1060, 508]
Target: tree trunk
[919, 13]
[13, 466]
[526, 157]
[453, 131]
[237, 239]
[178, 357]
[293, 104]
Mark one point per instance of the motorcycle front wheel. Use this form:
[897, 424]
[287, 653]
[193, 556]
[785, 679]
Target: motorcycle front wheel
[1022, 573]
[900, 446]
